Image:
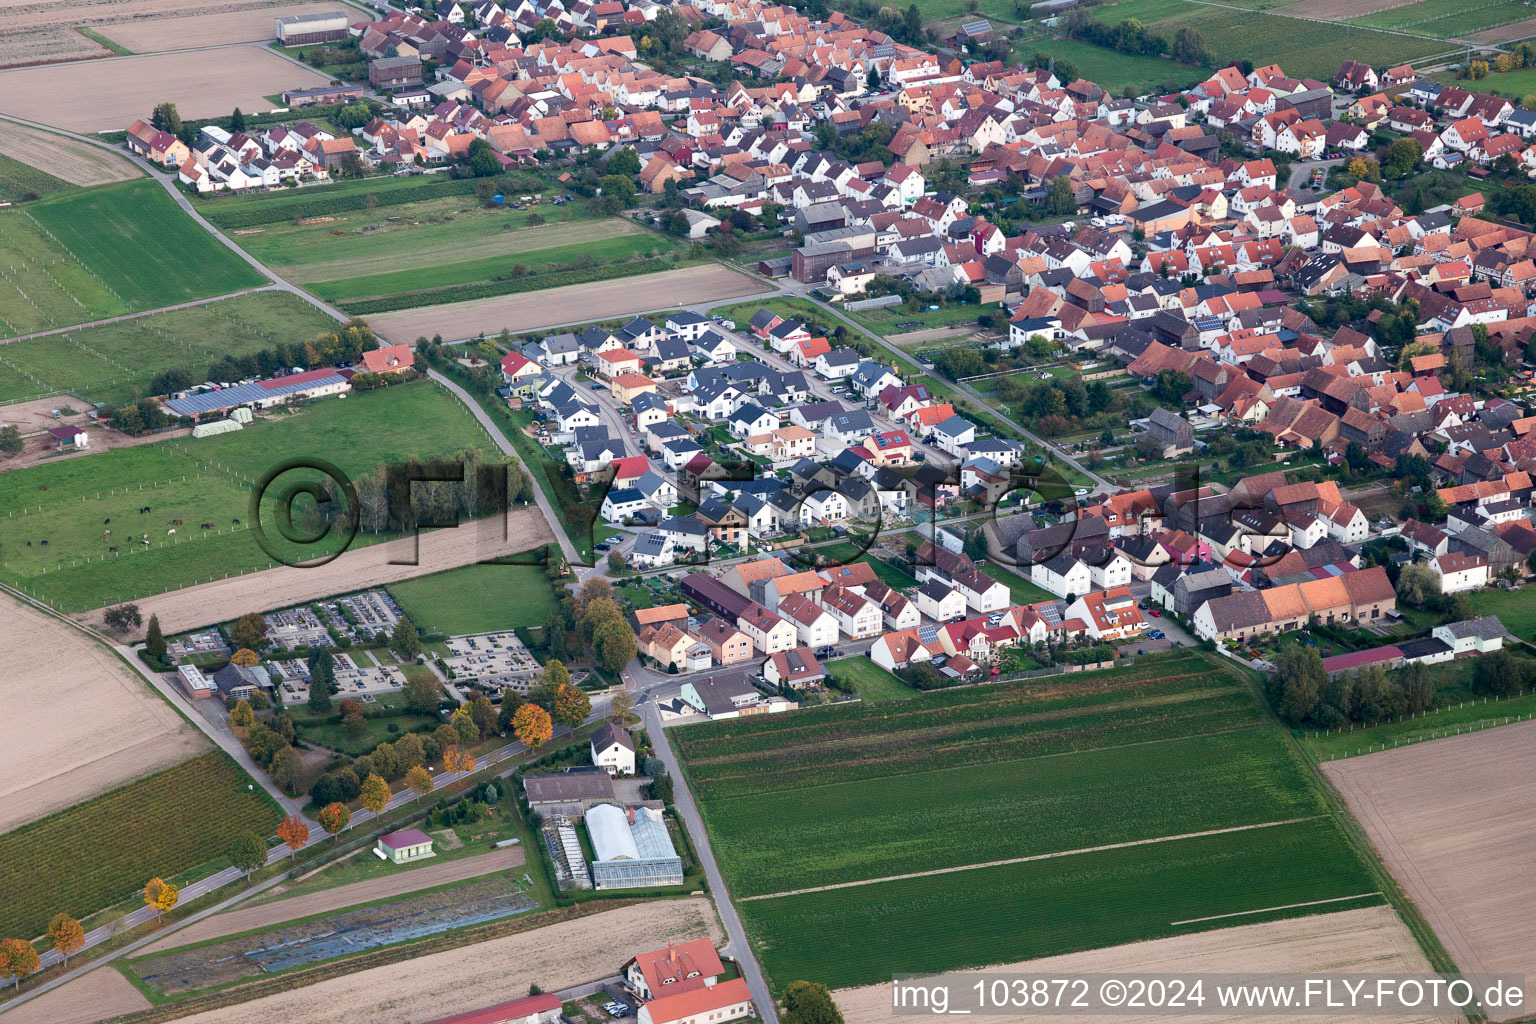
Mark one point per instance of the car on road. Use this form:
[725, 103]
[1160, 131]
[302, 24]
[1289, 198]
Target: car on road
[1156, 614]
[1157, 634]
[1081, 492]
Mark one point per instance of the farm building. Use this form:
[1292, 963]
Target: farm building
[194, 682]
[392, 73]
[540, 1009]
[69, 438]
[324, 96]
[569, 792]
[631, 849]
[262, 394]
[403, 846]
[303, 29]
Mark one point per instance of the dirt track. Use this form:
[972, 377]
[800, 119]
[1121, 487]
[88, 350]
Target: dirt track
[96, 996]
[484, 974]
[1368, 941]
[107, 95]
[62, 157]
[1511, 32]
[74, 720]
[357, 569]
[570, 304]
[268, 914]
[1452, 818]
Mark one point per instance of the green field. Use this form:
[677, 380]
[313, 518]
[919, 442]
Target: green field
[1112, 70]
[1305, 49]
[998, 915]
[1020, 590]
[428, 243]
[477, 599]
[98, 853]
[969, 777]
[1447, 17]
[114, 363]
[200, 480]
[92, 253]
[19, 180]
[871, 681]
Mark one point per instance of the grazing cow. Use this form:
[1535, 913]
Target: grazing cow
[171, 532]
[105, 535]
[112, 549]
[45, 543]
[107, 521]
[235, 521]
[207, 526]
[29, 543]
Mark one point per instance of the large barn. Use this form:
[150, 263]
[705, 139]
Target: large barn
[304, 29]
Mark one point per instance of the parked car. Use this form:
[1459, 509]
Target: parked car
[1156, 614]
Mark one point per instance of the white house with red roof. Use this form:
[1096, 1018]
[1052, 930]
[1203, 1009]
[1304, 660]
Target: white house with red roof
[404, 846]
[391, 360]
[677, 968]
[727, 1001]
[1109, 614]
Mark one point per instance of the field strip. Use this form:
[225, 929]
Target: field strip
[1043, 856]
[1283, 906]
[894, 774]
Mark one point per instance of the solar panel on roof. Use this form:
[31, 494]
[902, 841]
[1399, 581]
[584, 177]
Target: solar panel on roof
[1051, 614]
[927, 634]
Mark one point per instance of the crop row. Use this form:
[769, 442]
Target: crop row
[1001, 915]
[97, 853]
[874, 828]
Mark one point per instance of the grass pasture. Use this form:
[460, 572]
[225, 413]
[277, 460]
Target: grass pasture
[1111, 69]
[958, 780]
[477, 599]
[1445, 18]
[97, 853]
[93, 253]
[210, 479]
[870, 680]
[114, 363]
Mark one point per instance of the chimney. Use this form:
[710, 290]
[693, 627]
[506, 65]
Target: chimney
[631, 816]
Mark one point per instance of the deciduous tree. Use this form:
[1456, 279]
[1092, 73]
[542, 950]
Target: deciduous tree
[419, 779]
[422, 692]
[66, 935]
[293, 831]
[464, 725]
[375, 795]
[244, 657]
[17, 959]
[249, 630]
[571, 705]
[248, 852]
[242, 716]
[287, 770]
[408, 751]
[806, 1002]
[614, 645]
[457, 759]
[1298, 682]
[532, 726]
[161, 895]
[334, 817]
[405, 641]
[620, 705]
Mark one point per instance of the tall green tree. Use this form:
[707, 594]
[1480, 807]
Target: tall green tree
[322, 679]
[154, 640]
[807, 1002]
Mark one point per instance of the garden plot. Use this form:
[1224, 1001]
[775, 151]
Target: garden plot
[343, 933]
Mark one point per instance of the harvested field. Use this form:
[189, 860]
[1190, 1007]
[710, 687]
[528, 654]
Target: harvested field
[75, 162]
[1451, 820]
[63, 701]
[571, 304]
[97, 996]
[243, 24]
[1371, 941]
[268, 914]
[357, 569]
[107, 95]
[471, 977]
[931, 334]
[1506, 33]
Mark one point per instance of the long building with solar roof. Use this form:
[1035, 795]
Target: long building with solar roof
[261, 394]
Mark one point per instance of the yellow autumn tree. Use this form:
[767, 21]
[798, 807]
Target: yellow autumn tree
[244, 657]
[375, 793]
[243, 717]
[531, 725]
[419, 779]
[161, 895]
[66, 935]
